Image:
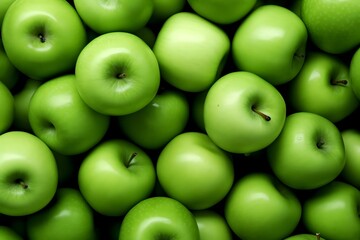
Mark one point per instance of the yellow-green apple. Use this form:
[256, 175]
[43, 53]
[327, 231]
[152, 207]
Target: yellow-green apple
[261, 207]
[68, 216]
[351, 170]
[243, 113]
[114, 16]
[9, 75]
[305, 236]
[163, 9]
[191, 51]
[117, 73]
[195, 171]
[116, 175]
[308, 153]
[43, 38]
[7, 233]
[333, 211]
[6, 109]
[270, 42]
[159, 218]
[59, 117]
[28, 174]
[323, 87]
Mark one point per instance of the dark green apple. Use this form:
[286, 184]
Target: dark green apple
[7, 108]
[7, 233]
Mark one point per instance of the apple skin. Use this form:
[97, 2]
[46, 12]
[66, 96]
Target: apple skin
[153, 126]
[117, 73]
[163, 9]
[7, 108]
[191, 51]
[304, 236]
[308, 153]
[212, 225]
[270, 42]
[333, 211]
[159, 218]
[195, 171]
[68, 216]
[8, 233]
[43, 39]
[9, 75]
[222, 11]
[354, 69]
[323, 87]
[4, 5]
[332, 25]
[231, 112]
[28, 174]
[114, 15]
[59, 117]
[261, 207]
[113, 179]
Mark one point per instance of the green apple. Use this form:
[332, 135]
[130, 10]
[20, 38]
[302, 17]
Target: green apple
[116, 16]
[68, 217]
[157, 123]
[270, 42]
[305, 236]
[212, 225]
[191, 51]
[7, 233]
[9, 75]
[115, 176]
[333, 211]
[7, 108]
[28, 174]
[222, 11]
[43, 38]
[323, 87]
[195, 171]
[117, 73]
[159, 218]
[354, 69]
[308, 153]
[243, 113]
[351, 170]
[332, 25]
[163, 9]
[59, 117]
[261, 207]
[147, 34]
[4, 5]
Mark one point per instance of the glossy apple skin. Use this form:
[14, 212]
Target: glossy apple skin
[153, 126]
[43, 39]
[334, 211]
[25, 159]
[67, 217]
[191, 51]
[117, 73]
[229, 116]
[354, 69]
[62, 120]
[261, 207]
[4, 5]
[116, 16]
[8, 233]
[159, 218]
[332, 25]
[7, 108]
[112, 179]
[350, 172]
[271, 43]
[315, 88]
[308, 153]
[194, 171]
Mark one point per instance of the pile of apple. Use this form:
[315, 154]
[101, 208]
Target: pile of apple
[179, 119]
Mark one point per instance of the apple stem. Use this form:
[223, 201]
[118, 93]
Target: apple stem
[41, 37]
[22, 183]
[121, 75]
[339, 82]
[263, 115]
[131, 158]
[317, 236]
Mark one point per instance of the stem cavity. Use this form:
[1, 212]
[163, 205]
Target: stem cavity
[263, 115]
[341, 82]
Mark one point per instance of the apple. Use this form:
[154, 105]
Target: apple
[243, 113]
[116, 175]
[153, 126]
[159, 218]
[222, 11]
[147, 34]
[194, 171]
[305, 236]
[191, 51]
[354, 67]
[8, 233]
[28, 174]
[4, 5]
[308, 153]
[212, 225]
[9, 75]
[323, 87]
[68, 216]
[332, 25]
[270, 42]
[117, 73]
[261, 207]
[43, 38]
[60, 118]
[114, 16]
[7, 108]
[163, 9]
[333, 210]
